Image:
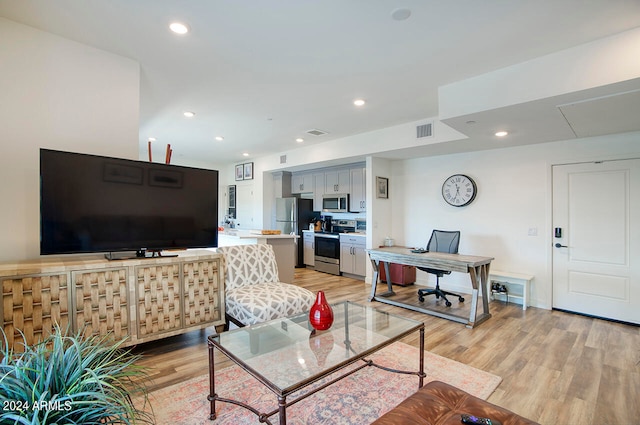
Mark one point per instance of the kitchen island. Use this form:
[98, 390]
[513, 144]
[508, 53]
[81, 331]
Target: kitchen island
[284, 246]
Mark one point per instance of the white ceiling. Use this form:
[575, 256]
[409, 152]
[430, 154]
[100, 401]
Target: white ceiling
[263, 72]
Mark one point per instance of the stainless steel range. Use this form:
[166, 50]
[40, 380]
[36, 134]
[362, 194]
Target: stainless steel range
[327, 246]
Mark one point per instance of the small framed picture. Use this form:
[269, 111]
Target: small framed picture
[382, 184]
[248, 171]
[240, 172]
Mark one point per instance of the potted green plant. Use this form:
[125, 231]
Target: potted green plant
[71, 379]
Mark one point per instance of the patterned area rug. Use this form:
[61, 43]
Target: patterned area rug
[356, 400]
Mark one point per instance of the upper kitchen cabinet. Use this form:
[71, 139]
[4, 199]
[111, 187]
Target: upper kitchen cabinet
[345, 179]
[302, 183]
[318, 184]
[338, 181]
[358, 199]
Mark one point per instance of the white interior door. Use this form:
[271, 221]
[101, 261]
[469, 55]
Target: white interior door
[244, 206]
[596, 260]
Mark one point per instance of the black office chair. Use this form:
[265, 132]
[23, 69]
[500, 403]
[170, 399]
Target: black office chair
[441, 241]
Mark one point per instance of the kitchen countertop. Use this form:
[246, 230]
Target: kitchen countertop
[342, 234]
[253, 234]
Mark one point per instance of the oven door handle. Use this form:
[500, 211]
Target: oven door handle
[328, 236]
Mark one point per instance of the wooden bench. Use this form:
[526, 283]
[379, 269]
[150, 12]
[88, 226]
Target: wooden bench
[510, 278]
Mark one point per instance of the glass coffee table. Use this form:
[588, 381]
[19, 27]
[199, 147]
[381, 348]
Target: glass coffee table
[287, 355]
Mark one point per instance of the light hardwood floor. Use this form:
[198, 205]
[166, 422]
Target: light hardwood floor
[557, 368]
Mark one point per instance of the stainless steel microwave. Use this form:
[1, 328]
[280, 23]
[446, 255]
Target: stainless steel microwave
[335, 202]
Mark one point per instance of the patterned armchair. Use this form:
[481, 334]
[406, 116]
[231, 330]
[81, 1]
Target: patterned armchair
[253, 292]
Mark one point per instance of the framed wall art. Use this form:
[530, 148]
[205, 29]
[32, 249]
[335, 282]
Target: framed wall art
[248, 171]
[382, 187]
[239, 172]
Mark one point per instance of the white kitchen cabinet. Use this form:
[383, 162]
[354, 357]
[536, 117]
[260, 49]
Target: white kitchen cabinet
[318, 192]
[308, 248]
[302, 183]
[358, 198]
[353, 255]
[337, 181]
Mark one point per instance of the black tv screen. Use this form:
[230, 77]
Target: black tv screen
[92, 203]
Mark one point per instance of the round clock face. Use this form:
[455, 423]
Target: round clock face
[459, 190]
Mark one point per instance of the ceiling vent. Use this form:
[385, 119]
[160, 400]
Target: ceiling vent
[424, 130]
[283, 159]
[316, 132]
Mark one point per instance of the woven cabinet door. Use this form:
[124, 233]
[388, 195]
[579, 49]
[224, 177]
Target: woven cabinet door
[202, 292]
[101, 302]
[158, 299]
[32, 305]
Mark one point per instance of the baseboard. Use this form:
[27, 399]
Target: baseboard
[353, 276]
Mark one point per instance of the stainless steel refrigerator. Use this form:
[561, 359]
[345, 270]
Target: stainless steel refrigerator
[293, 215]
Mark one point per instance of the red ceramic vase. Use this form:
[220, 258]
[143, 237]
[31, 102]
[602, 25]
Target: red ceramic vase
[321, 314]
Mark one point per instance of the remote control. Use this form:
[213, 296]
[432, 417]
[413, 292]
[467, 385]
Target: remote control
[474, 420]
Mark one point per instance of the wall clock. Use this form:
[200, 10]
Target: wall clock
[459, 190]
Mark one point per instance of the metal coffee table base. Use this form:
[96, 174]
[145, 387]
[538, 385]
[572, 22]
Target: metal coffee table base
[263, 417]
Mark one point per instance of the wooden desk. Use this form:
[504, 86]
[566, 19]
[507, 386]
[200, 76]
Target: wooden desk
[477, 267]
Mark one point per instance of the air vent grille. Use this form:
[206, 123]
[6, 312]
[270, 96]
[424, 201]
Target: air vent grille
[283, 159]
[424, 130]
[316, 132]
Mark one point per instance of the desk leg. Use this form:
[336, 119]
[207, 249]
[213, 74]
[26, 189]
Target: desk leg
[474, 307]
[484, 279]
[389, 284]
[374, 283]
[479, 276]
[374, 279]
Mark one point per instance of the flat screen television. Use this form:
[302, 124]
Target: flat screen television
[91, 204]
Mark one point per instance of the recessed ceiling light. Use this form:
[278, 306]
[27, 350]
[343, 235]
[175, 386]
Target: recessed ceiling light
[401, 14]
[179, 28]
[151, 139]
[299, 140]
[501, 133]
[219, 138]
[245, 154]
[189, 114]
[359, 102]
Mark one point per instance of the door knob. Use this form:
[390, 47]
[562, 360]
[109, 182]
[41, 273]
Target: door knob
[561, 246]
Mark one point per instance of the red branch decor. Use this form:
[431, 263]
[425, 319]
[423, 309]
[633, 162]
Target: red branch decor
[167, 158]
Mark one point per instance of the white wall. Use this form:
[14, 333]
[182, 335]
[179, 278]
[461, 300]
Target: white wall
[62, 95]
[514, 195]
